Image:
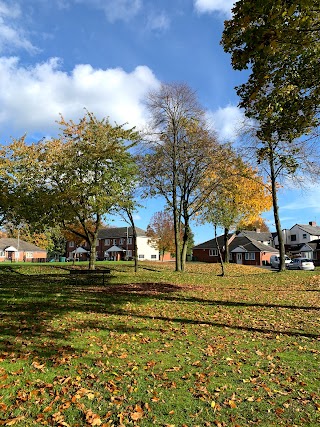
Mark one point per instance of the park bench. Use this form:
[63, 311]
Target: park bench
[75, 272]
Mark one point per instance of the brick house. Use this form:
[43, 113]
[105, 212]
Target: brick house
[243, 248]
[19, 250]
[116, 243]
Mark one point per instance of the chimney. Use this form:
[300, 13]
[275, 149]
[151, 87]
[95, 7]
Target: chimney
[257, 230]
[312, 223]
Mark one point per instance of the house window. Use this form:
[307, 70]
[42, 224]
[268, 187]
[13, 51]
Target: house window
[29, 254]
[121, 242]
[114, 241]
[308, 255]
[129, 253]
[249, 256]
[304, 236]
[129, 240]
[213, 252]
[153, 256]
[2, 254]
[141, 256]
[293, 238]
[71, 244]
[107, 241]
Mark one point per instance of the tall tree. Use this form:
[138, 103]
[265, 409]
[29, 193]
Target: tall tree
[279, 41]
[239, 199]
[161, 232]
[180, 150]
[77, 178]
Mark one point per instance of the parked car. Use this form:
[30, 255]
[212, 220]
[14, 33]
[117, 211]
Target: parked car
[275, 260]
[300, 264]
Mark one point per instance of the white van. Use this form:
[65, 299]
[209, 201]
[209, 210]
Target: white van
[275, 260]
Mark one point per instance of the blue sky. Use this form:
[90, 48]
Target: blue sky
[61, 56]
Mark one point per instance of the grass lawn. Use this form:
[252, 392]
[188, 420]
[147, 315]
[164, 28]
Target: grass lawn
[158, 347]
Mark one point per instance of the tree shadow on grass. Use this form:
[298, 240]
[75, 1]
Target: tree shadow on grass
[30, 307]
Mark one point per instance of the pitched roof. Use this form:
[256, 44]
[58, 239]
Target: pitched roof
[119, 232]
[251, 245]
[313, 230]
[263, 236]
[21, 245]
[212, 244]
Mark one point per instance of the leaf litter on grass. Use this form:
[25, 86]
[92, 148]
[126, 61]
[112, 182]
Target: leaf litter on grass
[191, 349]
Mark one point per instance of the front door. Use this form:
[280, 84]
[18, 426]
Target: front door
[239, 258]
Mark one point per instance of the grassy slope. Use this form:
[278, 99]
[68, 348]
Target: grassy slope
[159, 348]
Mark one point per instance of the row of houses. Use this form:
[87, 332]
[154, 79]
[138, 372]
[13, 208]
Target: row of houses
[116, 244]
[19, 250]
[245, 247]
[256, 248]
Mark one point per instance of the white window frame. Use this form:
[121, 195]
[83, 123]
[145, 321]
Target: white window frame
[153, 256]
[129, 253]
[129, 240]
[250, 256]
[114, 241]
[213, 252]
[2, 254]
[141, 256]
[29, 254]
[107, 241]
[71, 244]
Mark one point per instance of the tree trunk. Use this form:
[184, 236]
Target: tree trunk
[93, 252]
[186, 234]
[135, 246]
[134, 239]
[226, 246]
[282, 265]
[219, 252]
[177, 237]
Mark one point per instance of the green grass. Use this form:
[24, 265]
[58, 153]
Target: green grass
[159, 348]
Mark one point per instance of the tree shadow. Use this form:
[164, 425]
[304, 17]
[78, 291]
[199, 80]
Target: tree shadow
[29, 304]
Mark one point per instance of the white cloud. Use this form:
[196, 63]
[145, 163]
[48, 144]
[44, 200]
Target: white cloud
[308, 200]
[160, 22]
[227, 122]
[12, 36]
[32, 98]
[209, 6]
[116, 10]
[10, 11]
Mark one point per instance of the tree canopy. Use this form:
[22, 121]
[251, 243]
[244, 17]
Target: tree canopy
[179, 151]
[160, 232]
[278, 40]
[73, 180]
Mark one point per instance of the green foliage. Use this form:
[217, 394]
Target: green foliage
[279, 41]
[74, 180]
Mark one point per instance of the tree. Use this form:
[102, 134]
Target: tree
[161, 232]
[239, 199]
[257, 224]
[279, 41]
[76, 179]
[180, 150]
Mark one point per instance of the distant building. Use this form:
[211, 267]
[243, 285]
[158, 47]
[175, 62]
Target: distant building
[19, 250]
[116, 244]
[302, 240]
[247, 247]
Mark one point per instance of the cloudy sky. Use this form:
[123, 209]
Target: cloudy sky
[61, 56]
